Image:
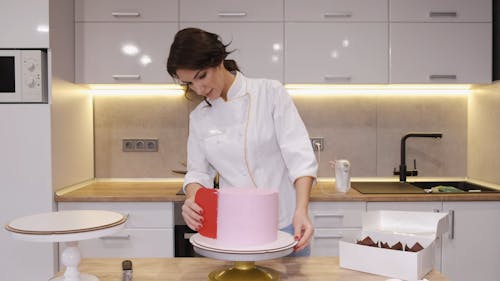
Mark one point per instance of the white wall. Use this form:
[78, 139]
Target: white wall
[484, 134]
[71, 111]
[25, 187]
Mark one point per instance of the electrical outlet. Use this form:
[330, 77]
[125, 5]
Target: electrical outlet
[315, 142]
[151, 145]
[128, 145]
[139, 145]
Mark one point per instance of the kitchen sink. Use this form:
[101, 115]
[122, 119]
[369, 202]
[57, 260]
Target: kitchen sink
[461, 186]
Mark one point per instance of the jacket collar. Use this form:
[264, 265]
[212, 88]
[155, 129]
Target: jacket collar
[237, 89]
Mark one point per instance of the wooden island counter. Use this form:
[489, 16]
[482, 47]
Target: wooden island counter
[173, 269]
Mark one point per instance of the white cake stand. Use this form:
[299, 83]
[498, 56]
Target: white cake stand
[69, 227]
[244, 268]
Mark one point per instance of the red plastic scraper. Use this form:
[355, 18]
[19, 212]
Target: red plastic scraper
[207, 199]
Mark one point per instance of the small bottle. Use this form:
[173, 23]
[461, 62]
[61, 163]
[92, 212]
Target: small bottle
[127, 270]
[342, 175]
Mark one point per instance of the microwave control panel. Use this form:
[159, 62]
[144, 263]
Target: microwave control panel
[34, 76]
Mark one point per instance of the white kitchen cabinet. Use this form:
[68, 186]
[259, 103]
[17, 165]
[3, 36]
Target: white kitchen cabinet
[333, 221]
[148, 232]
[336, 10]
[262, 58]
[473, 252]
[126, 10]
[24, 23]
[440, 52]
[414, 207]
[123, 52]
[231, 10]
[336, 53]
[440, 10]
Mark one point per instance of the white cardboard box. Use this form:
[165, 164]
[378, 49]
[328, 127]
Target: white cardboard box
[392, 227]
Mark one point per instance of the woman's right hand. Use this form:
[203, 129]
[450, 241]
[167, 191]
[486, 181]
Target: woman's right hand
[191, 212]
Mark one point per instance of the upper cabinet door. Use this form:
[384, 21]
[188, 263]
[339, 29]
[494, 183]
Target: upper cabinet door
[126, 10]
[336, 10]
[123, 52]
[231, 10]
[336, 53]
[440, 53]
[258, 50]
[441, 10]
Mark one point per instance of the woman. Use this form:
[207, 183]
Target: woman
[247, 130]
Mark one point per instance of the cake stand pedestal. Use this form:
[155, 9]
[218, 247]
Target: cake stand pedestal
[244, 268]
[69, 227]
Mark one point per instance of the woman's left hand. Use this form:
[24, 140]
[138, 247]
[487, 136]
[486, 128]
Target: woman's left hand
[304, 230]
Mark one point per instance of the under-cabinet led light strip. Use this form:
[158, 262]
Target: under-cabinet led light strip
[136, 89]
[389, 89]
[296, 89]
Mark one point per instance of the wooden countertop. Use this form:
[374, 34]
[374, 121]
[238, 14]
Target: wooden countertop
[165, 191]
[291, 269]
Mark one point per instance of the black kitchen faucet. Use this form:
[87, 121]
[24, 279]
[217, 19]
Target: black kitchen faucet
[402, 166]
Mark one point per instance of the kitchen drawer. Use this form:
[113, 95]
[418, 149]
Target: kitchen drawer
[440, 53]
[140, 215]
[336, 10]
[326, 241]
[126, 10]
[124, 52]
[130, 243]
[336, 214]
[440, 10]
[231, 10]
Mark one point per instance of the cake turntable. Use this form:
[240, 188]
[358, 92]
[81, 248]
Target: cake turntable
[244, 257]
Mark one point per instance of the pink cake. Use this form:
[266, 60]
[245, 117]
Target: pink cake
[242, 216]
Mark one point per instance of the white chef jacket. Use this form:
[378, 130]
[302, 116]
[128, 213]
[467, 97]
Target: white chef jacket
[256, 139]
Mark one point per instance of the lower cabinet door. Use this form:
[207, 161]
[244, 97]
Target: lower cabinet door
[129, 243]
[471, 249]
[326, 240]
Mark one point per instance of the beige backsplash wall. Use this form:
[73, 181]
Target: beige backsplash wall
[363, 129]
[484, 134]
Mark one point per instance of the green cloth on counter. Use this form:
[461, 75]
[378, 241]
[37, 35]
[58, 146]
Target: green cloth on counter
[445, 188]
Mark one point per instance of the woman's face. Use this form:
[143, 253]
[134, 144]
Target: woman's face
[207, 82]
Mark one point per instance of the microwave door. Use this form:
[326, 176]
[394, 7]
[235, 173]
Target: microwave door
[10, 80]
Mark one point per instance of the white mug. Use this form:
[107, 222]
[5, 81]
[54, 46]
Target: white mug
[342, 174]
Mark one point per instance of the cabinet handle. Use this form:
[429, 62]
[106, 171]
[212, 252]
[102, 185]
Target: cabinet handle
[126, 76]
[188, 235]
[443, 76]
[340, 236]
[126, 14]
[232, 14]
[443, 14]
[328, 215]
[337, 15]
[452, 224]
[116, 237]
[337, 78]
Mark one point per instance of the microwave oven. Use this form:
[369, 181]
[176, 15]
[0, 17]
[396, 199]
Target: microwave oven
[23, 76]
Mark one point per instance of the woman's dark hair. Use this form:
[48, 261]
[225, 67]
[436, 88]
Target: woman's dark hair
[194, 49]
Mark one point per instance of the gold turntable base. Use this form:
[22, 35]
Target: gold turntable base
[244, 271]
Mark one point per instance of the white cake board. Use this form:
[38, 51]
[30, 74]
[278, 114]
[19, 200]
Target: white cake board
[207, 247]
